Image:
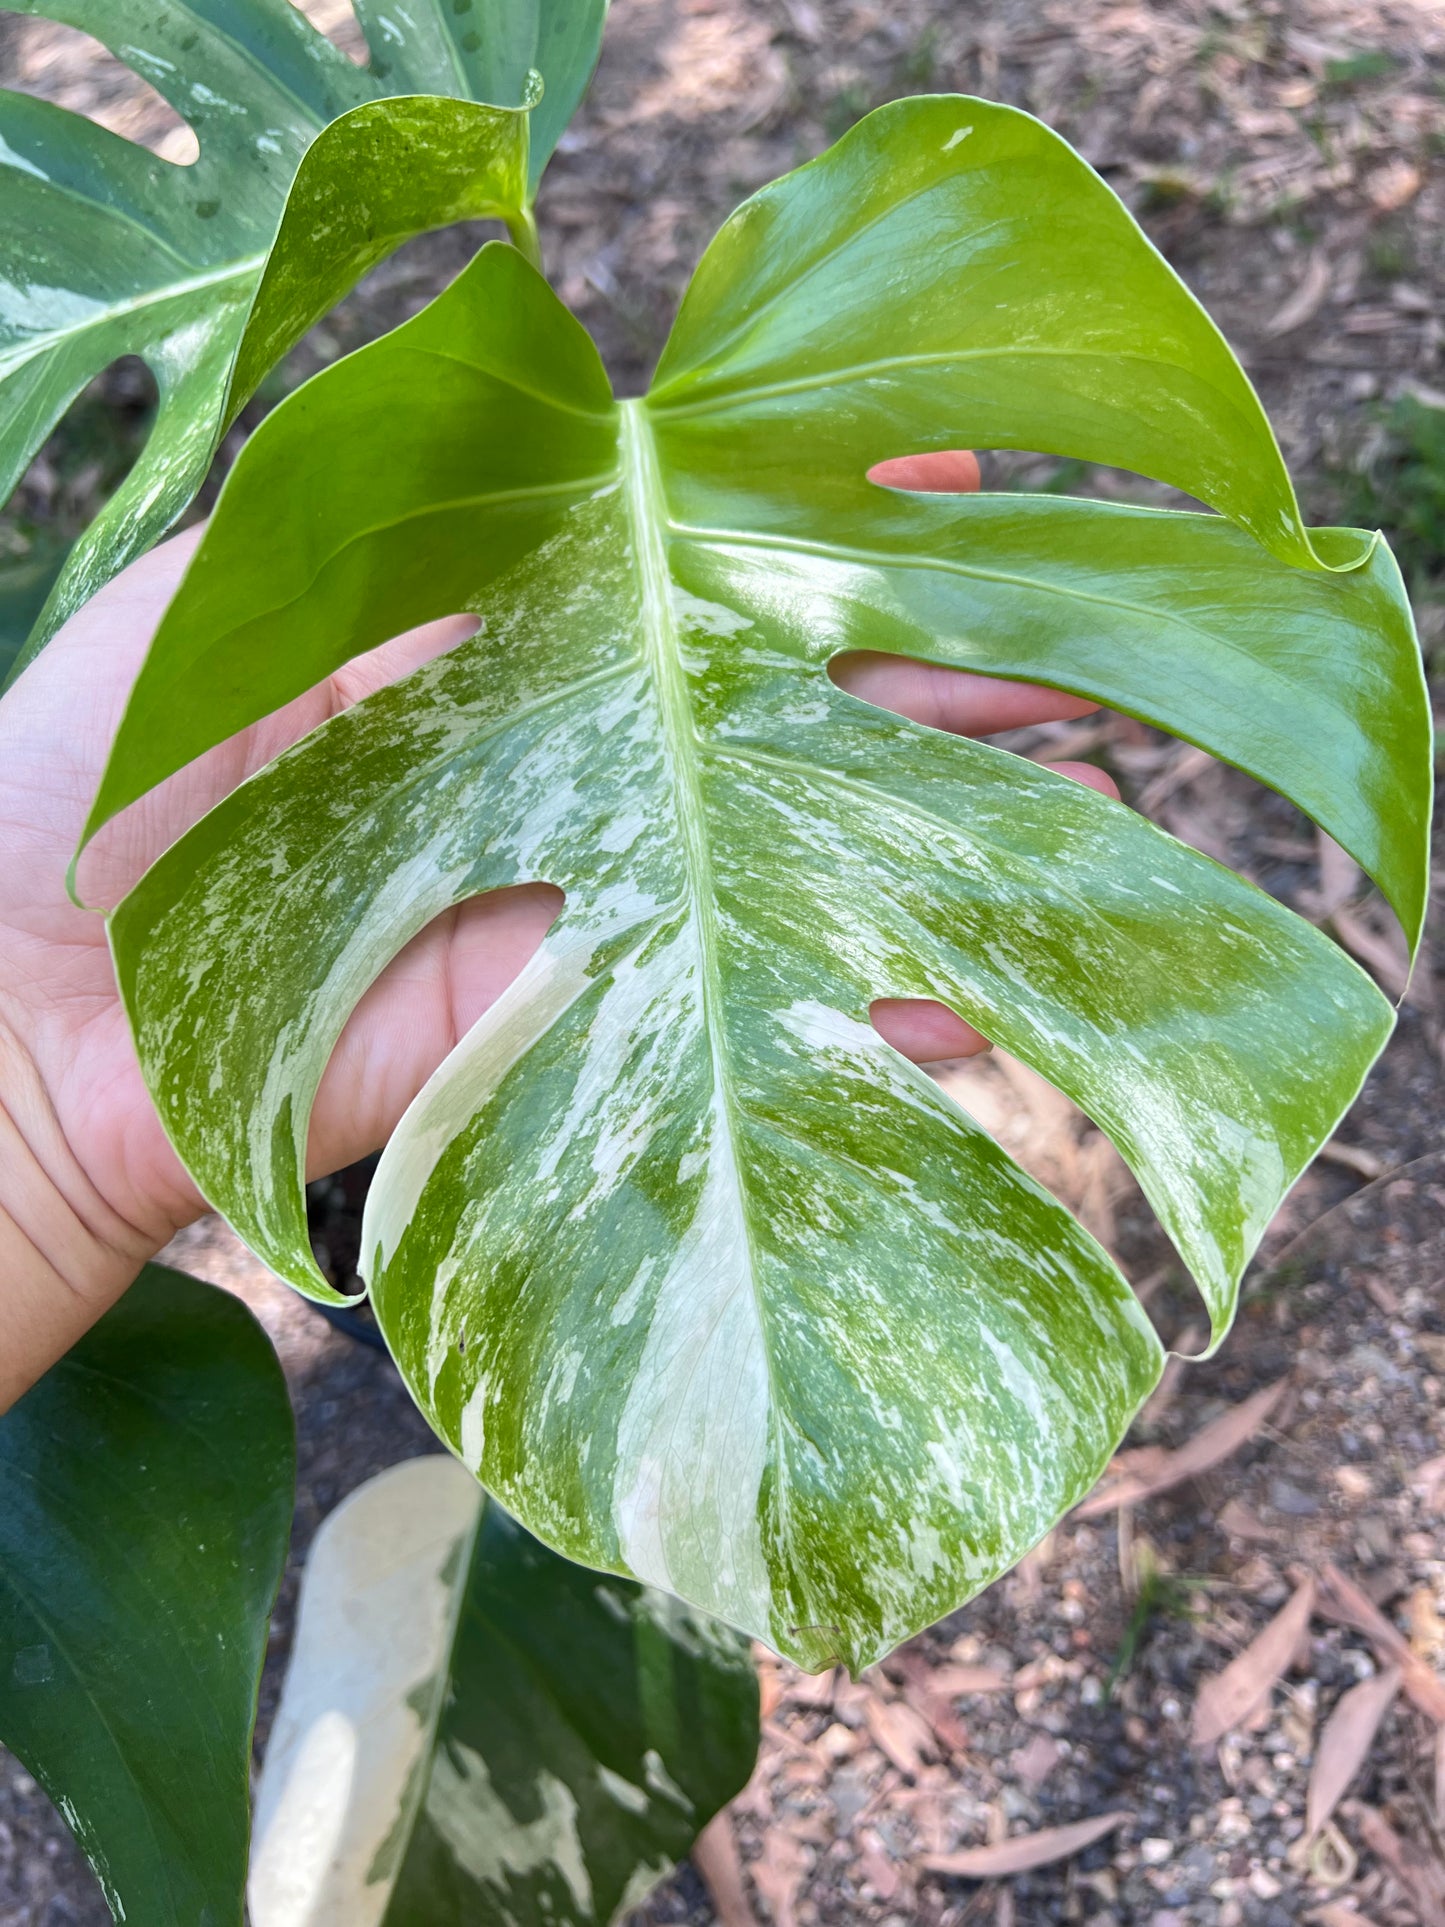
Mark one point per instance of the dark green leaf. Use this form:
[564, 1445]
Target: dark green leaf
[147, 1505]
[476, 1733]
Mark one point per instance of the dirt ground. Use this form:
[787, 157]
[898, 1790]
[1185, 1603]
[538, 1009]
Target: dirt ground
[1289, 157]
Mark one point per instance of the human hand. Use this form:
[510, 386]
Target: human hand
[90, 1188]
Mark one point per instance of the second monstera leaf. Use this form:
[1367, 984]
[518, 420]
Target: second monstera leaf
[692, 1269]
[311, 170]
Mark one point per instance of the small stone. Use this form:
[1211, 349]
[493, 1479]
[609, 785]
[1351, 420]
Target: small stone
[1288, 1499]
[1198, 1865]
[1231, 1914]
[1155, 1852]
[1353, 1483]
[1263, 1885]
[837, 1743]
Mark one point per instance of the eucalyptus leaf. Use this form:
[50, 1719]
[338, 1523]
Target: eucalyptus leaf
[696, 1273]
[475, 1733]
[148, 1483]
[309, 173]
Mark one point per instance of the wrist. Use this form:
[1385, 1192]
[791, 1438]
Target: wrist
[65, 1254]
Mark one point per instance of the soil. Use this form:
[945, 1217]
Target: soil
[1287, 157]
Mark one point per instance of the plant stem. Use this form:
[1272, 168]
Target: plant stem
[522, 231]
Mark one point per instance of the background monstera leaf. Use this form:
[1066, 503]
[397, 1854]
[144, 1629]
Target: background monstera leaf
[696, 1273]
[476, 1733]
[148, 1483]
[110, 251]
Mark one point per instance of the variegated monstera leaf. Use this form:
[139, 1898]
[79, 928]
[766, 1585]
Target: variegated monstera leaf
[695, 1272]
[211, 272]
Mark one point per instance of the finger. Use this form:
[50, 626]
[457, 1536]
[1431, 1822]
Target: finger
[949, 471]
[1090, 775]
[925, 1031]
[424, 1002]
[957, 700]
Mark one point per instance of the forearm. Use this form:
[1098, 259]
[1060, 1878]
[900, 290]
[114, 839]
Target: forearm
[65, 1254]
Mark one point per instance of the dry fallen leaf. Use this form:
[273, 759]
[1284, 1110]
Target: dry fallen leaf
[1385, 953]
[1427, 1628]
[1340, 875]
[1429, 1481]
[1240, 1523]
[1341, 1599]
[1144, 1474]
[716, 1857]
[1025, 1851]
[1035, 1761]
[901, 1735]
[778, 1875]
[953, 1677]
[1228, 1699]
[1307, 299]
[1345, 1744]
[1417, 1871]
[878, 1870]
[1390, 187]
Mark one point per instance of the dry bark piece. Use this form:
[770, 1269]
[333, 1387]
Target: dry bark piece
[1144, 1474]
[1025, 1851]
[1345, 1744]
[1229, 1698]
[716, 1857]
[1341, 1599]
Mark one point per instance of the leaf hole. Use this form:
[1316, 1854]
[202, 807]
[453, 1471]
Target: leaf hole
[74, 70]
[1014, 471]
[1049, 1137]
[80, 465]
[337, 20]
[417, 1010]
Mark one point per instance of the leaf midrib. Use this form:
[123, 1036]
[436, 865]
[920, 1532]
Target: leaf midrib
[647, 522]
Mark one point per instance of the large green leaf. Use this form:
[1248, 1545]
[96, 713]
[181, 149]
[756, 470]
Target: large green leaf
[475, 1733]
[147, 1485]
[701, 1278]
[106, 250]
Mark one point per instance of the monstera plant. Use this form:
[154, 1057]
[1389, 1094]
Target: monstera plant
[706, 1285]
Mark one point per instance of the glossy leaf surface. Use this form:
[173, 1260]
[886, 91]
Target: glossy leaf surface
[106, 250]
[475, 1733]
[695, 1272]
[148, 1484]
